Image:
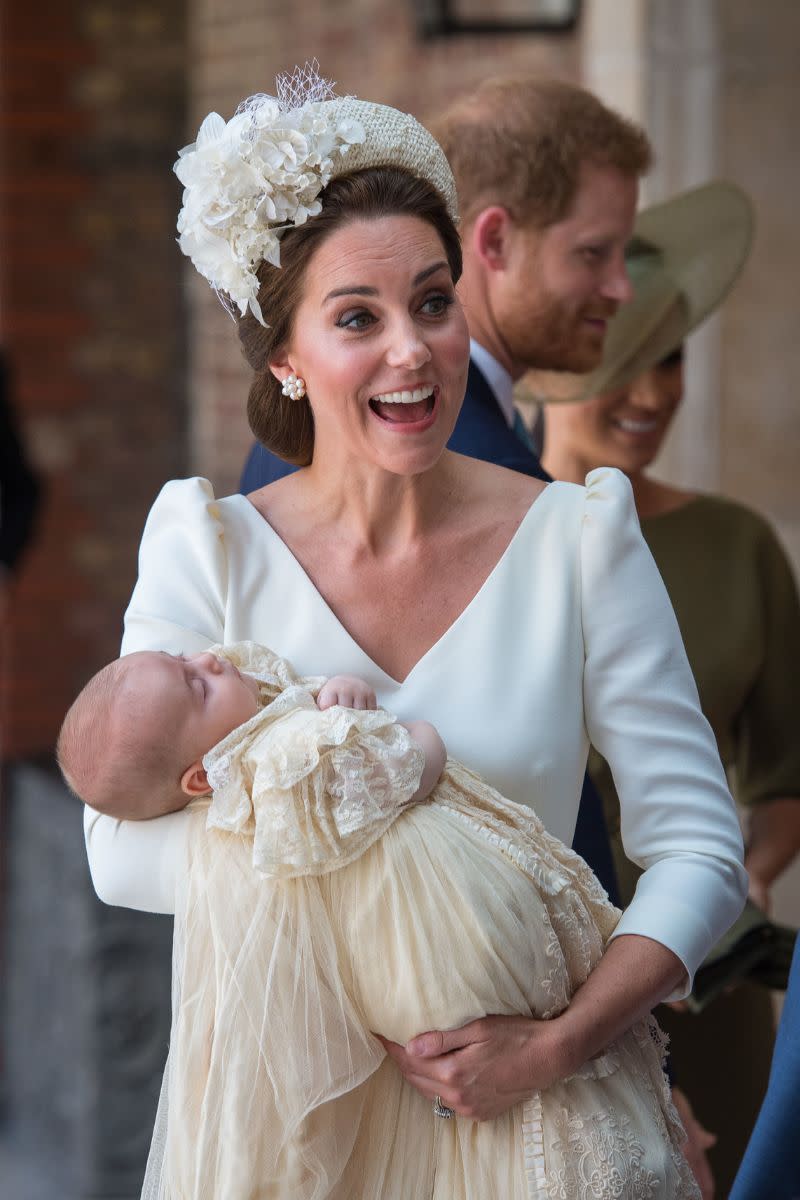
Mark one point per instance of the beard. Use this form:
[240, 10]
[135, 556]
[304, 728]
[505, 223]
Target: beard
[553, 336]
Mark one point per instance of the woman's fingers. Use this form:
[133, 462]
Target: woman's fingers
[484, 1068]
[436, 1041]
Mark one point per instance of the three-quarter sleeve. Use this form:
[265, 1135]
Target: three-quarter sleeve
[643, 715]
[178, 605]
[767, 757]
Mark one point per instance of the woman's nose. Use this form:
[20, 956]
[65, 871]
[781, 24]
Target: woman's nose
[408, 348]
[646, 394]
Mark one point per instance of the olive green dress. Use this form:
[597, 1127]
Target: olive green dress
[737, 606]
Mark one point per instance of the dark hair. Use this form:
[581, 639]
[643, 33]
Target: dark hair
[286, 426]
[673, 359]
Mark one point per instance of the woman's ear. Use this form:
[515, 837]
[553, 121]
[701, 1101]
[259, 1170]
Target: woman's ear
[279, 364]
[194, 781]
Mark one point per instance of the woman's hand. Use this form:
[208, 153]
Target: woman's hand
[486, 1067]
[698, 1140]
[489, 1065]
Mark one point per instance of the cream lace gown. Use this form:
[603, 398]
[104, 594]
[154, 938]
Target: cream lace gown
[318, 905]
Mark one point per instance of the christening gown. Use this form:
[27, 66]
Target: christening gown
[570, 638]
[319, 905]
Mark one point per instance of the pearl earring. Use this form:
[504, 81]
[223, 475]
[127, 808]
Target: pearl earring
[294, 387]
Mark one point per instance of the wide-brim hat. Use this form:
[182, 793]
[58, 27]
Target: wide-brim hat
[683, 259]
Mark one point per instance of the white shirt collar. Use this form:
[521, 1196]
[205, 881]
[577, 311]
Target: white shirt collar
[497, 377]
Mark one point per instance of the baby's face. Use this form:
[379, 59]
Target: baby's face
[202, 698]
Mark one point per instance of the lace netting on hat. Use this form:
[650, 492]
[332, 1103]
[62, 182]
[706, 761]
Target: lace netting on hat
[303, 85]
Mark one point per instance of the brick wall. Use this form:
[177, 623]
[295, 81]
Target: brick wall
[92, 96]
[371, 49]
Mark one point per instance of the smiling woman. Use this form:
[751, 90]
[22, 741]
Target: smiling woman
[521, 619]
[367, 196]
[380, 342]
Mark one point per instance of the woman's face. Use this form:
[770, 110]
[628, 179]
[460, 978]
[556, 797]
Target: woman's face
[624, 428]
[382, 344]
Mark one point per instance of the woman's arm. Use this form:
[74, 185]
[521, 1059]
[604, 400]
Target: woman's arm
[773, 842]
[767, 764]
[643, 715]
[642, 712]
[491, 1064]
[178, 605]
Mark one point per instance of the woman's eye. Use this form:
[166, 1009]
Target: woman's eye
[355, 320]
[436, 305]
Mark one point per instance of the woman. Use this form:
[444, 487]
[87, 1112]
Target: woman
[736, 604]
[420, 571]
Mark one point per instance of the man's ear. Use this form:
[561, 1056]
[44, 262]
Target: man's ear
[490, 236]
[194, 781]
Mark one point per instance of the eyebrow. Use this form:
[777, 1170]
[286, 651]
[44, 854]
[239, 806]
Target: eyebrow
[357, 290]
[180, 661]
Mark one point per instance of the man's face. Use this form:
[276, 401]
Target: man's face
[563, 284]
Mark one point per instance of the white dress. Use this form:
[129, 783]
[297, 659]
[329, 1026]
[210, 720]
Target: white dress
[319, 905]
[570, 638]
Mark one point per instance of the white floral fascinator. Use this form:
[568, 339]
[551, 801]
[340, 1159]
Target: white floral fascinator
[249, 179]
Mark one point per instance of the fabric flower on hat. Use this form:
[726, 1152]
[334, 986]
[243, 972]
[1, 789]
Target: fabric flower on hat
[248, 179]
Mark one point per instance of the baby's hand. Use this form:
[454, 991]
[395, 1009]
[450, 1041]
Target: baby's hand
[348, 691]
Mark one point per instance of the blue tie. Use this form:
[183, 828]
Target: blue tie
[521, 431]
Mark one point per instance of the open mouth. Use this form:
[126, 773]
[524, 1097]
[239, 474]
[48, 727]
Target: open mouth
[642, 426]
[405, 407]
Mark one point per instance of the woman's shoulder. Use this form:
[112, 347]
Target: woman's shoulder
[189, 541]
[193, 499]
[716, 520]
[190, 507]
[605, 499]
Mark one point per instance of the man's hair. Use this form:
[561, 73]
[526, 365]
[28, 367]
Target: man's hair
[106, 757]
[521, 142]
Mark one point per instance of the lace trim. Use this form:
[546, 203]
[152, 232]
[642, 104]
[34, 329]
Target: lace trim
[533, 1147]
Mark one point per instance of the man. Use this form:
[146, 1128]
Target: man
[547, 179]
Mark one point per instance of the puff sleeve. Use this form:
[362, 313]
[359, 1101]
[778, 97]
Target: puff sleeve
[178, 605]
[643, 715]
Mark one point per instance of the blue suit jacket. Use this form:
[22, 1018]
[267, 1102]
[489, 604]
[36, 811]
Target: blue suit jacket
[482, 432]
[770, 1169]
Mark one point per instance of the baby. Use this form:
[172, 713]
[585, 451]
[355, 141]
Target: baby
[132, 745]
[393, 892]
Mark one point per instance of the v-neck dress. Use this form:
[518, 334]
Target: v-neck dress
[571, 639]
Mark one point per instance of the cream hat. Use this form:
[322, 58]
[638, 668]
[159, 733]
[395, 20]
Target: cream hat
[247, 180]
[683, 259]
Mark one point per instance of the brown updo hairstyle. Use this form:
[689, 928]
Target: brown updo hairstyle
[284, 426]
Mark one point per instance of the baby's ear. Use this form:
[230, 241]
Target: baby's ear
[194, 781]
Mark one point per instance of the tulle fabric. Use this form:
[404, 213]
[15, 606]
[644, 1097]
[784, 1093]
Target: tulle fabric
[456, 907]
